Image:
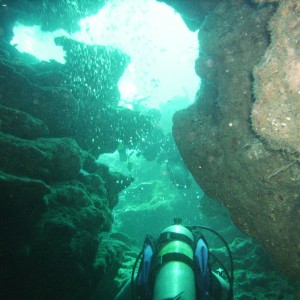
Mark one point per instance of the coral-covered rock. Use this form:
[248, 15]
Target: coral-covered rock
[255, 275]
[115, 259]
[276, 111]
[51, 15]
[50, 160]
[21, 89]
[21, 205]
[53, 231]
[66, 242]
[259, 186]
[73, 99]
[21, 124]
[56, 201]
[102, 181]
[94, 70]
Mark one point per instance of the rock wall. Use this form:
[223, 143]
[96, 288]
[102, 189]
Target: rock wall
[56, 202]
[275, 113]
[240, 138]
[49, 14]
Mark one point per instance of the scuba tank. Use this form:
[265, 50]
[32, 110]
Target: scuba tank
[175, 278]
[177, 266]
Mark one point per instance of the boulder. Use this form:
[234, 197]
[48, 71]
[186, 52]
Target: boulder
[246, 169]
[276, 111]
[21, 124]
[49, 159]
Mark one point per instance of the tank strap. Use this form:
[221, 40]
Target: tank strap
[174, 236]
[173, 256]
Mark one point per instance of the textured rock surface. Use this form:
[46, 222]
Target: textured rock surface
[46, 159]
[69, 100]
[51, 15]
[94, 71]
[52, 232]
[258, 185]
[56, 201]
[255, 276]
[276, 111]
[116, 257]
[21, 124]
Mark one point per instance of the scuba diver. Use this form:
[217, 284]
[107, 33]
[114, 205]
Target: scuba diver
[178, 266]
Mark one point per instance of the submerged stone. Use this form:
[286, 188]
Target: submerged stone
[258, 185]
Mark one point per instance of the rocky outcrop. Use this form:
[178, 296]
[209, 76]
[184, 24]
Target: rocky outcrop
[193, 12]
[78, 99]
[57, 159]
[52, 218]
[21, 124]
[276, 111]
[56, 201]
[50, 15]
[255, 275]
[233, 158]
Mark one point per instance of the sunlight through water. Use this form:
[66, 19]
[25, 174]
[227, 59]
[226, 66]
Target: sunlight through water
[161, 47]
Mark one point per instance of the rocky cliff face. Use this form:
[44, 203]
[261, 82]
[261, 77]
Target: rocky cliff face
[240, 139]
[56, 202]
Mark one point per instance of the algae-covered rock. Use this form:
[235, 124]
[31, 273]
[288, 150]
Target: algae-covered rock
[56, 201]
[48, 119]
[78, 99]
[53, 232]
[94, 70]
[116, 259]
[276, 111]
[255, 275]
[22, 205]
[259, 186]
[68, 236]
[46, 159]
[102, 181]
[21, 89]
[21, 124]
[51, 15]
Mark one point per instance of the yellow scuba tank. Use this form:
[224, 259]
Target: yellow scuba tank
[175, 278]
